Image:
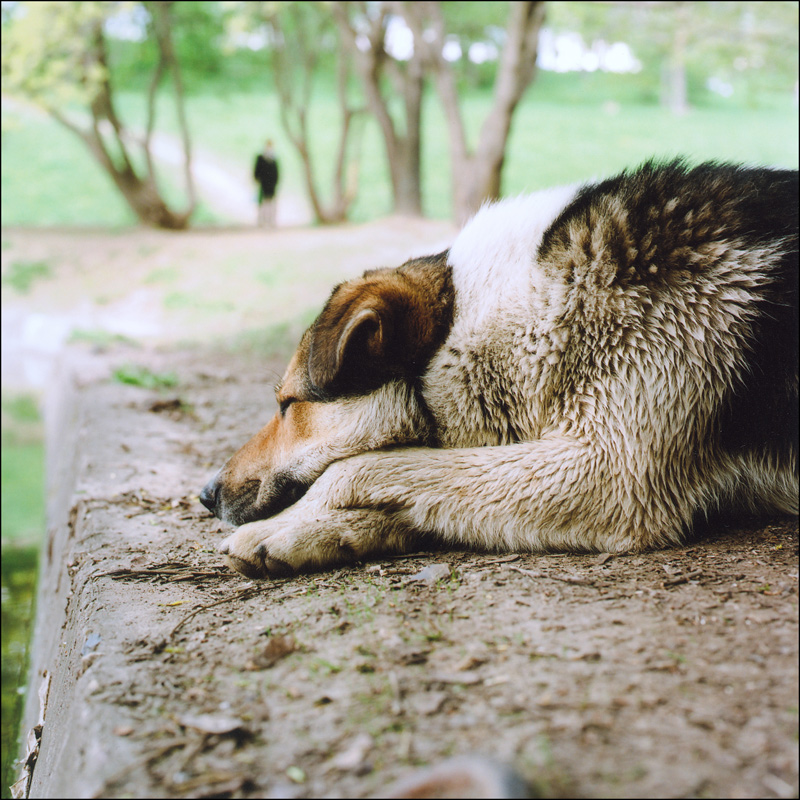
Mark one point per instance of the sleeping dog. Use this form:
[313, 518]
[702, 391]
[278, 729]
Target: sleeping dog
[586, 369]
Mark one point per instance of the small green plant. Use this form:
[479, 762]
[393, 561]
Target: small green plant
[161, 275]
[181, 301]
[22, 275]
[135, 375]
[99, 338]
[678, 658]
[268, 277]
[325, 667]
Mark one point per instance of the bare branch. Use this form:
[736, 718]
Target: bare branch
[373, 64]
[167, 56]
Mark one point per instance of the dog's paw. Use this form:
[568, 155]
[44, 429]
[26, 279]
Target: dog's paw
[293, 542]
[246, 552]
[268, 549]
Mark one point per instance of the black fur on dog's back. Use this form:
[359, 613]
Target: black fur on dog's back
[677, 210]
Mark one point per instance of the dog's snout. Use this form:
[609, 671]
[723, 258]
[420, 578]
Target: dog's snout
[210, 495]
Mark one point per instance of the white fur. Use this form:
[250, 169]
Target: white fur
[492, 257]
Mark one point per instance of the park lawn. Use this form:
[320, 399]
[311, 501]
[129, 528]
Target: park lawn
[23, 520]
[50, 179]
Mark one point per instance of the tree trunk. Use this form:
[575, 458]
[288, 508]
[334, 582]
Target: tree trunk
[163, 31]
[140, 193]
[297, 53]
[373, 65]
[477, 175]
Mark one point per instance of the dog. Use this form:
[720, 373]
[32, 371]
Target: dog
[588, 368]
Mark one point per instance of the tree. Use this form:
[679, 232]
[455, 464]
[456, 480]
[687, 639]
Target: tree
[56, 54]
[675, 39]
[298, 30]
[477, 173]
[363, 28]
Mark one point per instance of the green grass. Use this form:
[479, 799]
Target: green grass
[99, 338]
[23, 491]
[23, 519]
[49, 178]
[23, 527]
[19, 570]
[22, 275]
[144, 378]
[566, 129]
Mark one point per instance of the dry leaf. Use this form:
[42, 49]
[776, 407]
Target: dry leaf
[277, 648]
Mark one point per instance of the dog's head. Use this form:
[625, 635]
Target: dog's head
[352, 385]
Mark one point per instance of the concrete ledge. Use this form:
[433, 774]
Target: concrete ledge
[121, 494]
[670, 673]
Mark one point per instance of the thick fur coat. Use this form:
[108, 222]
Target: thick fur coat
[587, 369]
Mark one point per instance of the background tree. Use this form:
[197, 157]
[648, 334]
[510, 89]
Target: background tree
[683, 44]
[56, 54]
[302, 33]
[363, 27]
[477, 172]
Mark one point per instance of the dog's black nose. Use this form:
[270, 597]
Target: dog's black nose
[210, 495]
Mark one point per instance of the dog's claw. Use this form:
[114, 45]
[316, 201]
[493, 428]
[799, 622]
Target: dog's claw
[258, 564]
[246, 568]
[275, 568]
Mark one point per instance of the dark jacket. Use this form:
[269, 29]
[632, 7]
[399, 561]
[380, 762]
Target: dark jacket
[266, 173]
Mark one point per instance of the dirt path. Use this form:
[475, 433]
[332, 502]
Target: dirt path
[204, 285]
[229, 189]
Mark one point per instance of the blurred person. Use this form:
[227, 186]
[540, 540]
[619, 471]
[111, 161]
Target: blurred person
[266, 175]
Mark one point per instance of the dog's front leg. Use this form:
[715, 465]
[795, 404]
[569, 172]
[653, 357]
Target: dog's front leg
[555, 493]
[310, 535]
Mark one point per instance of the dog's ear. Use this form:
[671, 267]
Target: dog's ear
[382, 326]
[350, 341]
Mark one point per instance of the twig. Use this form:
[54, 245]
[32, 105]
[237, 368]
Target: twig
[144, 761]
[240, 595]
[574, 579]
[682, 578]
[174, 572]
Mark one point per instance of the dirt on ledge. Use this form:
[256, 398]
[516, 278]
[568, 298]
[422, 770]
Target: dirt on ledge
[163, 674]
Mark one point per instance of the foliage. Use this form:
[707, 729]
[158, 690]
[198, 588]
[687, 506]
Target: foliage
[43, 53]
[749, 45]
[19, 570]
[199, 41]
[56, 54]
